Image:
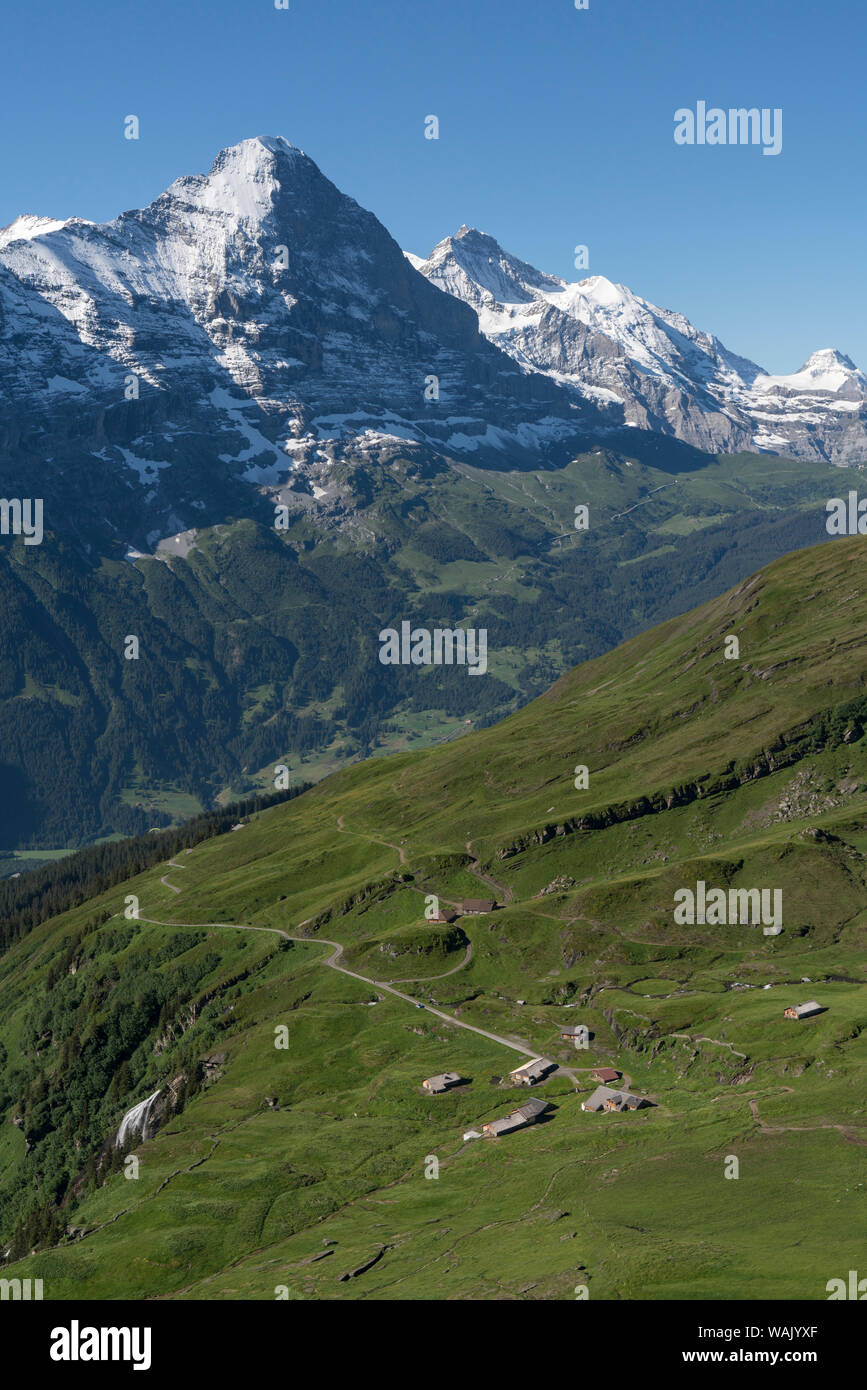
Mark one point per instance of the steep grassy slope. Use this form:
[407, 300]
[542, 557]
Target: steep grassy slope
[260, 646]
[746, 773]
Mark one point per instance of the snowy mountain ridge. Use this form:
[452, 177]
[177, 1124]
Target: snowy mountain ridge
[251, 321]
[607, 344]
[264, 294]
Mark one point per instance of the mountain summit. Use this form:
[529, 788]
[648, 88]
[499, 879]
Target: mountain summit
[616, 349]
[265, 302]
[260, 309]
[827, 371]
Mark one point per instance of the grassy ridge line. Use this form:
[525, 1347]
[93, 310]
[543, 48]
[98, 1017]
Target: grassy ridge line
[487, 779]
[663, 710]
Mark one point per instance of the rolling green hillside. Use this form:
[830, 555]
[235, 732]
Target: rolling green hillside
[259, 647]
[299, 1170]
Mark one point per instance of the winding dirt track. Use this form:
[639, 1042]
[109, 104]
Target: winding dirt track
[332, 961]
[506, 893]
[164, 879]
[845, 1130]
[695, 1037]
[423, 979]
[337, 952]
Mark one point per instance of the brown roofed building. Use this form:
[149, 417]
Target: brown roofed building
[605, 1074]
[526, 1114]
[443, 917]
[803, 1010]
[472, 907]
[436, 1084]
[603, 1098]
[531, 1072]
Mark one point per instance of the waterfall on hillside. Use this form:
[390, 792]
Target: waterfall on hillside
[134, 1120]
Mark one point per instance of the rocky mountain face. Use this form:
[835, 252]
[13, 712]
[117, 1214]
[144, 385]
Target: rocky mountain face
[220, 349]
[242, 323]
[611, 347]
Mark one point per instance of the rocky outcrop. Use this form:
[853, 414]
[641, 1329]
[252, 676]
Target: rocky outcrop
[829, 729]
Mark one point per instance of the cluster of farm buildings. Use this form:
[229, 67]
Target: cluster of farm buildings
[530, 1074]
[606, 1097]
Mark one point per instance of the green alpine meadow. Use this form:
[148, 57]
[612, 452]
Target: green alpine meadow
[212, 1070]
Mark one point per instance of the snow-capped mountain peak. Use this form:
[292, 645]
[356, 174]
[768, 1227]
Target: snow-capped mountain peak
[825, 370]
[220, 244]
[609, 345]
[243, 180]
[260, 287]
[595, 337]
[29, 225]
[477, 265]
[271, 316]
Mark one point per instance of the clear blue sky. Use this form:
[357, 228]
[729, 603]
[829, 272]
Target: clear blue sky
[556, 129]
